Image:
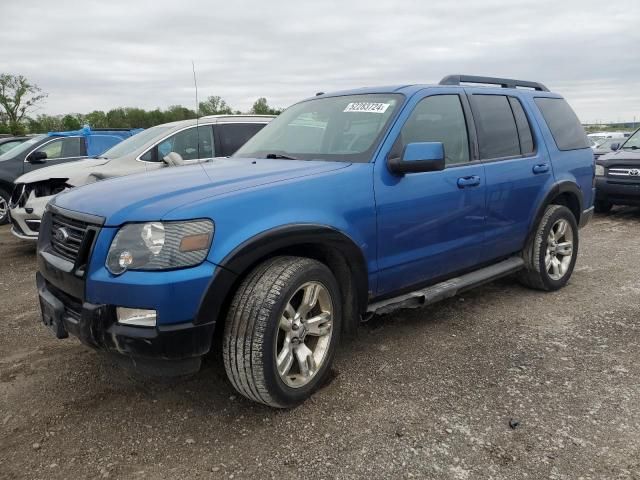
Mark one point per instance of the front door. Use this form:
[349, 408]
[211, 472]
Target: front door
[431, 224]
[58, 150]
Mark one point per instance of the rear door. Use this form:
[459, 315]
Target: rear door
[517, 168]
[231, 136]
[430, 224]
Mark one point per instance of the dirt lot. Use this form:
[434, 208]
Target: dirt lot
[422, 394]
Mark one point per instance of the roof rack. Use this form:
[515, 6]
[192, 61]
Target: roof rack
[503, 82]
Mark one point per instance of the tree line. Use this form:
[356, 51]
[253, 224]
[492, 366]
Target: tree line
[18, 97]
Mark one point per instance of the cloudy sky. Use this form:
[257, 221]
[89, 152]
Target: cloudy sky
[99, 55]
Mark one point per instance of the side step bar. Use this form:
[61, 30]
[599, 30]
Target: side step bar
[448, 288]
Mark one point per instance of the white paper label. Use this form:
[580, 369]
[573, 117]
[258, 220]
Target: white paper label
[367, 107]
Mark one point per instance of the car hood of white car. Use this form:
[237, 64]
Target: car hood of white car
[87, 171]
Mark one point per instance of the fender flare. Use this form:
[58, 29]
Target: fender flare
[555, 190]
[271, 242]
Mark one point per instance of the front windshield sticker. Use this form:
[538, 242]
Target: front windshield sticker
[367, 107]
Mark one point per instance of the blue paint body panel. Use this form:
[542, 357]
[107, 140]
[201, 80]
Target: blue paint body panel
[411, 229]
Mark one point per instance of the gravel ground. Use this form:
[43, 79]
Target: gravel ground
[419, 394]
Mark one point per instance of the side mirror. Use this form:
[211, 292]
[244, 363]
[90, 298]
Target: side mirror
[419, 157]
[37, 157]
[614, 146]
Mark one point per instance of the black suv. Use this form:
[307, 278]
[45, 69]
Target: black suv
[618, 175]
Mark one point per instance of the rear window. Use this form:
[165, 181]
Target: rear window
[563, 123]
[497, 131]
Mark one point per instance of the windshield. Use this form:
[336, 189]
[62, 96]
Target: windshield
[343, 128]
[633, 142]
[23, 147]
[131, 144]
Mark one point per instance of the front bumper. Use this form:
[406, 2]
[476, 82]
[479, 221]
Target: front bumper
[26, 218]
[618, 192]
[163, 350]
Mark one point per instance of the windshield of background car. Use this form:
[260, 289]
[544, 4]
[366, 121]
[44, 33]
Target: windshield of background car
[633, 142]
[343, 129]
[131, 144]
[23, 147]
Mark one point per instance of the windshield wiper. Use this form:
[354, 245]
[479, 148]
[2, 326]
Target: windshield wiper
[277, 156]
[632, 147]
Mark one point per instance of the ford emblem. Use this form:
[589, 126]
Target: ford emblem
[61, 235]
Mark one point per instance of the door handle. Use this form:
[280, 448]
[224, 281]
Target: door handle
[541, 168]
[471, 181]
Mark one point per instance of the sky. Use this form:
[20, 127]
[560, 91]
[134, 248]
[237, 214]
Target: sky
[101, 55]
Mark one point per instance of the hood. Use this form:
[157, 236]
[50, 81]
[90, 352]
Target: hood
[151, 196]
[622, 157]
[77, 172]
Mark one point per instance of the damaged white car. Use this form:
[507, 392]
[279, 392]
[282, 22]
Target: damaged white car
[170, 144]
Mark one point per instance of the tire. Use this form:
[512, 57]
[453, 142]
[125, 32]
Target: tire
[602, 206]
[542, 249]
[4, 207]
[267, 318]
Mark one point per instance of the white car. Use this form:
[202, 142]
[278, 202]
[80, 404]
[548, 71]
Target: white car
[170, 144]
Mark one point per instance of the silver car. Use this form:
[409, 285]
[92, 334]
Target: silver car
[170, 144]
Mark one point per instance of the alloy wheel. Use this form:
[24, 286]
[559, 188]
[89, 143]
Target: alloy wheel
[559, 251]
[304, 334]
[4, 209]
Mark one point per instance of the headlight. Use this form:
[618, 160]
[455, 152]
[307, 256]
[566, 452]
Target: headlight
[159, 245]
[599, 170]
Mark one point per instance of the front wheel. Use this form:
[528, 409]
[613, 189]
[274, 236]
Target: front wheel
[551, 255]
[282, 330]
[4, 207]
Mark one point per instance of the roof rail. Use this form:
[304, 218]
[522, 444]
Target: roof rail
[503, 82]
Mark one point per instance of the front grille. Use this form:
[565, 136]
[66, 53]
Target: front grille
[622, 172]
[67, 235]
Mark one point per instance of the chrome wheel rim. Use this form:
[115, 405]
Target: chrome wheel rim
[304, 334]
[4, 209]
[559, 249]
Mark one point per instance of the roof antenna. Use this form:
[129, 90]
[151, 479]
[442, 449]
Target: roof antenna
[195, 84]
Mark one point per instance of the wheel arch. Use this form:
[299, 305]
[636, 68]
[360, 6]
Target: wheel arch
[563, 193]
[325, 244]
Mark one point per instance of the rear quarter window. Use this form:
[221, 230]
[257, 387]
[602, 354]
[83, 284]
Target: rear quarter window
[563, 123]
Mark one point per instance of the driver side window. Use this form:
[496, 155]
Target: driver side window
[439, 118]
[62, 148]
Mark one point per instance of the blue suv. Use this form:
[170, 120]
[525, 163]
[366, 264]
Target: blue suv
[347, 205]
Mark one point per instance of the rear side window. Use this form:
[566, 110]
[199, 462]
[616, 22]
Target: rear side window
[233, 136]
[497, 131]
[524, 129]
[563, 123]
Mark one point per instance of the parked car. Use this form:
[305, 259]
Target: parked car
[618, 175]
[346, 205]
[169, 144]
[51, 149]
[8, 143]
[604, 146]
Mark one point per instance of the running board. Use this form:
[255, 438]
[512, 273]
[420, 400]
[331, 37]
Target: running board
[448, 288]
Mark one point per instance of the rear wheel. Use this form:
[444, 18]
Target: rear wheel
[602, 206]
[282, 330]
[551, 255]
[4, 207]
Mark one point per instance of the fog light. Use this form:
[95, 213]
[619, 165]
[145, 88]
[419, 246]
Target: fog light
[136, 316]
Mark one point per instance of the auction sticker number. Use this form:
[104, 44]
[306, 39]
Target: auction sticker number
[367, 107]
